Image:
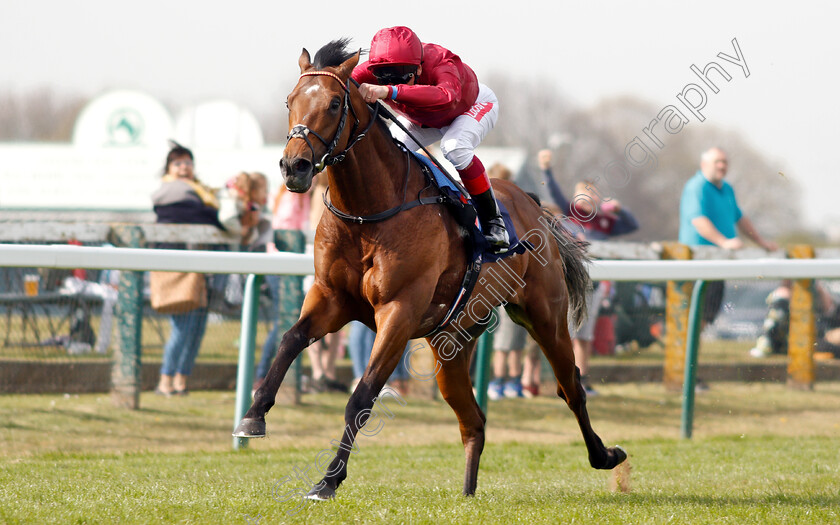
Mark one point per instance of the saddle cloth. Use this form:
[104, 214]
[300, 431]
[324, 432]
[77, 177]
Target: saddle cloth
[462, 207]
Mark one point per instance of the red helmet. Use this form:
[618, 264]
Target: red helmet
[396, 46]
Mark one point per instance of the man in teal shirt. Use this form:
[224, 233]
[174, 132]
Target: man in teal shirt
[709, 215]
[709, 212]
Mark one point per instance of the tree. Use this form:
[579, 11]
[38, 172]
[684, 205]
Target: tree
[529, 112]
[39, 115]
[595, 137]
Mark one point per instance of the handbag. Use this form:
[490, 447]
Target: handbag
[177, 292]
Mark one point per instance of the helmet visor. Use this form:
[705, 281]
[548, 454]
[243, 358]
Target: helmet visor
[393, 75]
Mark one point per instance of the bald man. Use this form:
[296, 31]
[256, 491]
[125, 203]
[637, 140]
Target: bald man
[710, 216]
[709, 212]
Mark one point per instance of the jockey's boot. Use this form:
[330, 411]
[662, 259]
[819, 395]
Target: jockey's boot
[491, 220]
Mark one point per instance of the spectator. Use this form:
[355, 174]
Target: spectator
[776, 327]
[589, 219]
[289, 211]
[531, 369]
[317, 207]
[110, 282]
[509, 339]
[260, 223]
[241, 203]
[322, 356]
[182, 199]
[241, 211]
[105, 289]
[709, 216]
[360, 346]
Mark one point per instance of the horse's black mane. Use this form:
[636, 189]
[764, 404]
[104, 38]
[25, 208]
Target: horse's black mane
[333, 54]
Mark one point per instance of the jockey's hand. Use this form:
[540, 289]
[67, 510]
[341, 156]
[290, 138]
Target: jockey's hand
[372, 92]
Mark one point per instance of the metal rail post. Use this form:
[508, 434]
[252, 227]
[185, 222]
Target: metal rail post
[291, 299]
[484, 353]
[695, 321]
[125, 373]
[247, 342]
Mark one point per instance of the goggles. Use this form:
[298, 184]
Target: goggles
[393, 75]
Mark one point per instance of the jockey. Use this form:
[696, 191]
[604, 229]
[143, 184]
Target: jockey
[439, 98]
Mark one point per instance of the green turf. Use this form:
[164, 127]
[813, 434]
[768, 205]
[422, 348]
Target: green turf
[761, 454]
[720, 480]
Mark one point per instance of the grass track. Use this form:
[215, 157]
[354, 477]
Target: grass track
[719, 480]
[761, 454]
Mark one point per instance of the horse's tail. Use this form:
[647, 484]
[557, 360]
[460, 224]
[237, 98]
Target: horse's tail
[575, 271]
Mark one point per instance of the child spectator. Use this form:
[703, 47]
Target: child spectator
[240, 206]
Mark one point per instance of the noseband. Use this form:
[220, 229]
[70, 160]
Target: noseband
[301, 131]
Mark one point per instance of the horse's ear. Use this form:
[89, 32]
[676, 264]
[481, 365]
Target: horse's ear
[345, 69]
[304, 61]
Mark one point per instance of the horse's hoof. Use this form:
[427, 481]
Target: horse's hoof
[614, 456]
[321, 492]
[620, 455]
[250, 428]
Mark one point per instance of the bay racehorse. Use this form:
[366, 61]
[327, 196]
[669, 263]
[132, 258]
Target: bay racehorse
[400, 274]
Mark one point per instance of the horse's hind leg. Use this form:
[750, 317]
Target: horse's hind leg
[453, 379]
[550, 330]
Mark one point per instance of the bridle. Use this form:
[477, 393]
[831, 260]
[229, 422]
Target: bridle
[301, 131]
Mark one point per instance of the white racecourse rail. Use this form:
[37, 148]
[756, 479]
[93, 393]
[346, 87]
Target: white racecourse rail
[68, 256]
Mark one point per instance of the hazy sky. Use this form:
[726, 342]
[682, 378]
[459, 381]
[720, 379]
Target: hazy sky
[185, 52]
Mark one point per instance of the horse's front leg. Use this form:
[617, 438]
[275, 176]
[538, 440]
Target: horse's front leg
[321, 314]
[394, 326]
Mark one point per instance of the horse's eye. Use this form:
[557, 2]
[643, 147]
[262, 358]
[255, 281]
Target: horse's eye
[335, 104]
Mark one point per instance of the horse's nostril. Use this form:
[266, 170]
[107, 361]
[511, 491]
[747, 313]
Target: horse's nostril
[301, 166]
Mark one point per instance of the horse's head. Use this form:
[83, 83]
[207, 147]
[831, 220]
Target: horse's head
[319, 107]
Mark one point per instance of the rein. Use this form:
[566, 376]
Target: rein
[390, 116]
[387, 214]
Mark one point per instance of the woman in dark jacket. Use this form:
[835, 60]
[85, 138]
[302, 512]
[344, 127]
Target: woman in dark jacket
[182, 199]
